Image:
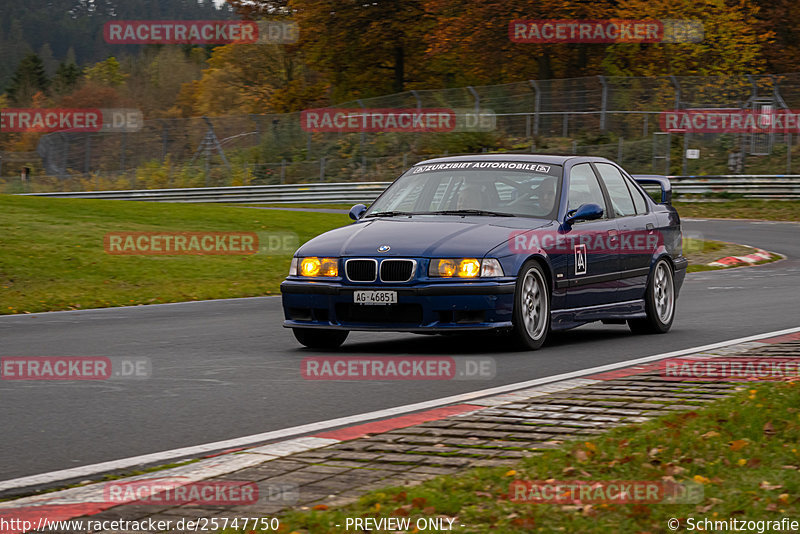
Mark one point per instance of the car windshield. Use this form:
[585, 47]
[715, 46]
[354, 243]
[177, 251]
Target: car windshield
[493, 188]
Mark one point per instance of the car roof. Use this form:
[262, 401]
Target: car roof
[510, 156]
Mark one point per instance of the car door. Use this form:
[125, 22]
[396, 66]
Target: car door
[637, 239]
[592, 267]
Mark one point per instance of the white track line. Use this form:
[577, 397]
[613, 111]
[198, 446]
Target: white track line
[199, 450]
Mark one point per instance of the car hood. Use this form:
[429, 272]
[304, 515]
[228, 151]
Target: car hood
[419, 237]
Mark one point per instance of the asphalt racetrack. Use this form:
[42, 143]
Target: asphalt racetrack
[226, 369]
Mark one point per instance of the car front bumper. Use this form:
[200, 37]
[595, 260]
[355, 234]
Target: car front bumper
[437, 307]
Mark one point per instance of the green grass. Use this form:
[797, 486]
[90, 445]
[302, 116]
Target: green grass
[302, 205]
[771, 210]
[743, 450]
[52, 255]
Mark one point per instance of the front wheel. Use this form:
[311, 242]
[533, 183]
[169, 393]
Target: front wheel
[659, 302]
[531, 307]
[317, 338]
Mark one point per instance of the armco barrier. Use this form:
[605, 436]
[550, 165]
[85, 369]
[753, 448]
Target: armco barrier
[748, 186]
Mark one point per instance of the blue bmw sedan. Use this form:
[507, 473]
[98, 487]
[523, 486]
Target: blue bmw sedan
[516, 244]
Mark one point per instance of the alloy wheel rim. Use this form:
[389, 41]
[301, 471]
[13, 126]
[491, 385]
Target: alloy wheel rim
[663, 293]
[534, 304]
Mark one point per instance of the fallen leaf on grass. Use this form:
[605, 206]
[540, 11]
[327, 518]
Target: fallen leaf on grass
[523, 522]
[769, 430]
[767, 486]
[700, 479]
[711, 434]
[320, 507]
[419, 502]
[738, 444]
[510, 473]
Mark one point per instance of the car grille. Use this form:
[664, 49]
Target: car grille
[361, 270]
[394, 313]
[397, 270]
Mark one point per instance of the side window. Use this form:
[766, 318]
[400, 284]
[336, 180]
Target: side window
[638, 198]
[584, 188]
[621, 200]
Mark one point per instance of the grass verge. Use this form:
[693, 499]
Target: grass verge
[52, 255]
[743, 450]
[770, 210]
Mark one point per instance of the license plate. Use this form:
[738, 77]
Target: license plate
[375, 297]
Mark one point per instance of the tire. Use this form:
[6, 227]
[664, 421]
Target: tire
[531, 317]
[317, 338]
[659, 301]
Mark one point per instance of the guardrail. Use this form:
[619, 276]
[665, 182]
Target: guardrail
[748, 186]
[309, 193]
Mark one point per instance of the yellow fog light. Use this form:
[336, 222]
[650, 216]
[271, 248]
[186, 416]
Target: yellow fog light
[469, 268]
[445, 268]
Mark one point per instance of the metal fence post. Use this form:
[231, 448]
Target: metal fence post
[603, 102]
[537, 104]
[476, 97]
[416, 96]
[283, 170]
[322, 169]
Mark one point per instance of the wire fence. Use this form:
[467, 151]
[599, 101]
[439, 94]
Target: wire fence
[615, 117]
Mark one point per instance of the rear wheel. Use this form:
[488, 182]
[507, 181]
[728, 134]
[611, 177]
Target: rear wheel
[531, 307]
[317, 338]
[659, 302]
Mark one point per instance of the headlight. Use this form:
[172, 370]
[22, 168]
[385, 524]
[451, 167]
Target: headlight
[314, 266]
[465, 268]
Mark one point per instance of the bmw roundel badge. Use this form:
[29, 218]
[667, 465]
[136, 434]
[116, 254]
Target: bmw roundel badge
[384, 248]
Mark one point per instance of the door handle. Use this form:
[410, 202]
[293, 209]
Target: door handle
[650, 227]
[612, 234]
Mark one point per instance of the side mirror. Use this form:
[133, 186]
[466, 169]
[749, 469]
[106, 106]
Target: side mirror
[357, 211]
[585, 212]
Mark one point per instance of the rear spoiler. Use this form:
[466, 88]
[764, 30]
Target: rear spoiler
[662, 181]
